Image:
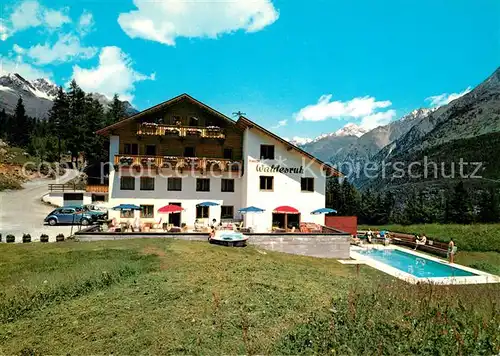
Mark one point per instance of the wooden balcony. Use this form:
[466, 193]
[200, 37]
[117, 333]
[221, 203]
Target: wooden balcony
[97, 188]
[178, 163]
[180, 131]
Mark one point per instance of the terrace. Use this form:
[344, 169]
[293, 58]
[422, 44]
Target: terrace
[178, 162]
[153, 129]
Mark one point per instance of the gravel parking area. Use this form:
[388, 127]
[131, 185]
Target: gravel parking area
[22, 211]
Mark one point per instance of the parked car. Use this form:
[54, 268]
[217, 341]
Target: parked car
[91, 210]
[69, 215]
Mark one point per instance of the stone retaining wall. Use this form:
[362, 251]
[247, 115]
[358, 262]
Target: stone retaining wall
[325, 246]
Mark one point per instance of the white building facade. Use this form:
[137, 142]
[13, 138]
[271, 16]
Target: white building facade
[230, 164]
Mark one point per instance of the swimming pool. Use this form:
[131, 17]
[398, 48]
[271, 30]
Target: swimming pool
[417, 266]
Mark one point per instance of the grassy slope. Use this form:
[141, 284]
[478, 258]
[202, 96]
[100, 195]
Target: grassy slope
[194, 300]
[165, 296]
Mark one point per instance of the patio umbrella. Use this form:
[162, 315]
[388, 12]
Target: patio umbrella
[285, 209]
[127, 207]
[208, 203]
[251, 209]
[323, 211]
[170, 208]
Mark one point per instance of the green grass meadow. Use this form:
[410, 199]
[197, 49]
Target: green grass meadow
[162, 296]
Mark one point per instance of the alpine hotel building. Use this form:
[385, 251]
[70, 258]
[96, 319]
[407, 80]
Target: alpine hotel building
[183, 152]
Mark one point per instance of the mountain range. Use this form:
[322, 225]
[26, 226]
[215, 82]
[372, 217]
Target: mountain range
[38, 96]
[468, 128]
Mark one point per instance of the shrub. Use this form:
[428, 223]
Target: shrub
[26, 238]
[44, 238]
[10, 238]
[59, 238]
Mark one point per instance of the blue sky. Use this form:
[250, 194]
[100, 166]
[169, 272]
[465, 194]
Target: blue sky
[298, 68]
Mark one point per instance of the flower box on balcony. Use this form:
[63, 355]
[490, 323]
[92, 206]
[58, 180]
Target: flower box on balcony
[172, 131]
[148, 161]
[150, 124]
[193, 132]
[126, 161]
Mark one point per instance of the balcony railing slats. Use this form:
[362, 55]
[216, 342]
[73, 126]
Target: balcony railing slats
[180, 131]
[175, 162]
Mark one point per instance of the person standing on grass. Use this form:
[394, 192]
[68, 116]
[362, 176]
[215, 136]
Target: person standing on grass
[451, 250]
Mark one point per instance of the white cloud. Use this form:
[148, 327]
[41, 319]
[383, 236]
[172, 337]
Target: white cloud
[67, 48]
[24, 69]
[325, 109]
[55, 18]
[30, 13]
[445, 98]
[372, 121]
[280, 123]
[4, 31]
[165, 20]
[86, 23]
[114, 74]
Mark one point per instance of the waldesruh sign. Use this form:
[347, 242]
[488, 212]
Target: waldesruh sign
[279, 169]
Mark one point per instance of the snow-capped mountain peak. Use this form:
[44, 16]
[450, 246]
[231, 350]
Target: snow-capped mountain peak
[418, 114]
[351, 130]
[40, 88]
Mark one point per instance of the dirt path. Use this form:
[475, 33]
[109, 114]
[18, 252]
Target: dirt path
[22, 211]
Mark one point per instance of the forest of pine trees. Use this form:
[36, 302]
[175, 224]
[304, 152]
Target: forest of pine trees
[374, 208]
[69, 130]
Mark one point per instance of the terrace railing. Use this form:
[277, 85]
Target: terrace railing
[97, 188]
[152, 129]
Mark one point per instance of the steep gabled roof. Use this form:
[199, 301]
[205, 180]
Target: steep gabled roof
[243, 122]
[162, 106]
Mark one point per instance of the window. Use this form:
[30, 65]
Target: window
[266, 152]
[147, 211]
[202, 185]
[147, 183]
[307, 184]
[176, 120]
[127, 183]
[150, 150]
[266, 183]
[193, 121]
[227, 185]
[227, 212]
[174, 184]
[130, 149]
[126, 214]
[228, 153]
[189, 152]
[202, 212]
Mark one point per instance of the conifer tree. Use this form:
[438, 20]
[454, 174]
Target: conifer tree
[20, 126]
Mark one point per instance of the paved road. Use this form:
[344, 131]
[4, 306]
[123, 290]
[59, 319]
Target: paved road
[22, 211]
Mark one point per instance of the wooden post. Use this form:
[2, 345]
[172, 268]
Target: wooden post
[357, 269]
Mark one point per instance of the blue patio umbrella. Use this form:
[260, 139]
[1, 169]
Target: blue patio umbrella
[251, 209]
[323, 211]
[127, 207]
[208, 203]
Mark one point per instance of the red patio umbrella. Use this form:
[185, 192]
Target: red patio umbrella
[285, 209]
[170, 208]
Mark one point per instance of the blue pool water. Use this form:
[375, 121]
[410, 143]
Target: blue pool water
[414, 265]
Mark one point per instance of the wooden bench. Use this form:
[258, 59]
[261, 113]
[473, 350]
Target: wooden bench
[435, 247]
